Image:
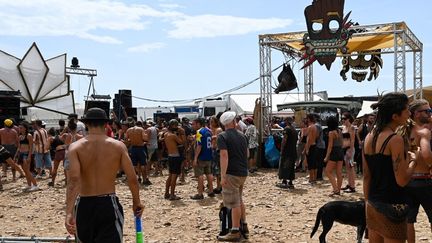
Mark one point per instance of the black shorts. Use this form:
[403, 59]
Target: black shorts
[99, 219]
[312, 157]
[419, 192]
[337, 154]
[252, 153]
[138, 155]
[174, 164]
[4, 154]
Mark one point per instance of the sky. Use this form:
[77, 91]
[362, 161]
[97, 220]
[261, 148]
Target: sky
[179, 50]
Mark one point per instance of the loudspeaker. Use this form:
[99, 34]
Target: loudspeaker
[131, 112]
[9, 106]
[125, 97]
[104, 105]
[24, 111]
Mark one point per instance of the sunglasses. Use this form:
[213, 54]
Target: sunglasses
[426, 110]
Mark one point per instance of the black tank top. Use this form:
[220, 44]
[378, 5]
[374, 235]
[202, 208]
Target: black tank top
[23, 139]
[383, 186]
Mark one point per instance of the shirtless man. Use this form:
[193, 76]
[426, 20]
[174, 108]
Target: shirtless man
[311, 149]
[10, 142]
[174, 137]
[137, 136]
[419, 189]
[94, 162]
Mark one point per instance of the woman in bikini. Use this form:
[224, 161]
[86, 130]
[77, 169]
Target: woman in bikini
[348, 135]
[24, 155]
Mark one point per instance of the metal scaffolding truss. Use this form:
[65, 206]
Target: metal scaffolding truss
[390, 38]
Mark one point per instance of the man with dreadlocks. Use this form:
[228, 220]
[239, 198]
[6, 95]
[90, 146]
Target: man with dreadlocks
[419, 189]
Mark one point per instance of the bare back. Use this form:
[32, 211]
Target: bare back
[8, 136]
[420, 137]
[99, 158]
[137, 136]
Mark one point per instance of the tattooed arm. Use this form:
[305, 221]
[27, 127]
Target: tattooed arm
[403, 164]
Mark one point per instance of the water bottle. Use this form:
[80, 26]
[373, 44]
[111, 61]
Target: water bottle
[138, 230]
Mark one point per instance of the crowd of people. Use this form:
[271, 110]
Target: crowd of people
[390, 148]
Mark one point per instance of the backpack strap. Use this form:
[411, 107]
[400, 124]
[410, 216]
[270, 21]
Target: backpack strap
[384, 145]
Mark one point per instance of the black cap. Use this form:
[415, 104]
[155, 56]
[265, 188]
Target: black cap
[95, 114]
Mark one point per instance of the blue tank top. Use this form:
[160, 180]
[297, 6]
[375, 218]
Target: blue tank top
[203, 138]
[383, 186]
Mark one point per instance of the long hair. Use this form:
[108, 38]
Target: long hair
[405, 132]
[390, 104]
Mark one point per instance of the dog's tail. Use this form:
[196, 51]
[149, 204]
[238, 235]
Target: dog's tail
[317, 222]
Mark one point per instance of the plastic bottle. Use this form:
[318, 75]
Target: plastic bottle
[138, 230]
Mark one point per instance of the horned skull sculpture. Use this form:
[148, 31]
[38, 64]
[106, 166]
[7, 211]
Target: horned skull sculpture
[360, 63]
[327, 32]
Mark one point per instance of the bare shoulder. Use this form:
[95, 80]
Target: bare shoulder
[424, 132]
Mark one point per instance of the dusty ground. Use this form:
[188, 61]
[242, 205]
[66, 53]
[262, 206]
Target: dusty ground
[273, 214]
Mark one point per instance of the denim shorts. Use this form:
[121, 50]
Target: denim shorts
[43, 160]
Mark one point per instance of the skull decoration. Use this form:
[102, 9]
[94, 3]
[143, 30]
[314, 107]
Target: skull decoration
[327, 32]
[360, 63]
[287, 80]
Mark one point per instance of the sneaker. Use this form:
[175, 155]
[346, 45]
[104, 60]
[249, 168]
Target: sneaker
[350, 190]
[26, 189]
[231, 237]
[174, 198]
[211, 194]
[147, 182]
[346, 187]
[217, 191]
[245, 231]
[197, 197]
[33, 189]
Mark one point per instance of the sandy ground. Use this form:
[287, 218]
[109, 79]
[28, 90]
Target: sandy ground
[273, 214]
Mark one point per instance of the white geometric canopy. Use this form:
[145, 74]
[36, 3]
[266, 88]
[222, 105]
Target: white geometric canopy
[42, 83]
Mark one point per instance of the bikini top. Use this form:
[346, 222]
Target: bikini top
[346, 135]
[23, 139]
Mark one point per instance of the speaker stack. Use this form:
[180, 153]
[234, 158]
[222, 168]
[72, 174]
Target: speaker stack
[9, 105]
[104, 105]
[123, 100]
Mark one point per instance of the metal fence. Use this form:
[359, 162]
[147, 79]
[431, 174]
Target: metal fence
[36, 239]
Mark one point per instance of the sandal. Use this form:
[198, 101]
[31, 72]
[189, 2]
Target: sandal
[334, 194]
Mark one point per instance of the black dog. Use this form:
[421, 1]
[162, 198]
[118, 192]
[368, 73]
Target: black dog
[345, 212]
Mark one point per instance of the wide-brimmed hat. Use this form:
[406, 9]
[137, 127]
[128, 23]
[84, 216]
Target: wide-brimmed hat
[95, 114]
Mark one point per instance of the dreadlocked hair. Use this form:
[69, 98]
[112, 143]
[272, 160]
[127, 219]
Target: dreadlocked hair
[405, 132]
[389, 104]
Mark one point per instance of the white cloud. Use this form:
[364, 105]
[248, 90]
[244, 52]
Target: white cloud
[81, 18]
[98, 20]
[146, 47]
[214, 25]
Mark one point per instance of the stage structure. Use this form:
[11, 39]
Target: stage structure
[390, 38]
[41, 83]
